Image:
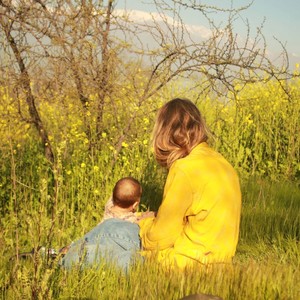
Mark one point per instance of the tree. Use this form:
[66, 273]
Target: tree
[17, 40]
[91, 48]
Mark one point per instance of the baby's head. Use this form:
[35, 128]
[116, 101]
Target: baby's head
[127, 193]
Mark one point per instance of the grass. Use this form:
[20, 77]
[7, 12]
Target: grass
[35, 212]
[266, 266]
[258, 133]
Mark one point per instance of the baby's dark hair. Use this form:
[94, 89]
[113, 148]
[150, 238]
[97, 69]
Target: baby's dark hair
[126, 192]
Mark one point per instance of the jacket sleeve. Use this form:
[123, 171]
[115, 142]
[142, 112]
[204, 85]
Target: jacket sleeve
[162, 231]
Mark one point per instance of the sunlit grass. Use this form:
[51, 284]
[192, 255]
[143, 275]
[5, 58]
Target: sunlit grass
[46, 205]
[266, 265]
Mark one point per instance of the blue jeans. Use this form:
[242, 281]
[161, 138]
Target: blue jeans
[113, 240]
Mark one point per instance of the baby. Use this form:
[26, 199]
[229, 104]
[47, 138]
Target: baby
[124, 201]
[116, 237]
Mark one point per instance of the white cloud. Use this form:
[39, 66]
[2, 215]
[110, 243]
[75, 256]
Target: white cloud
[142, 16]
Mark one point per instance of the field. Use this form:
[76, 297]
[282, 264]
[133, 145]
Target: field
[50, 205]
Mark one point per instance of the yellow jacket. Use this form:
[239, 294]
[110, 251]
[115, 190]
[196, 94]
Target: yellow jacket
[199, 217]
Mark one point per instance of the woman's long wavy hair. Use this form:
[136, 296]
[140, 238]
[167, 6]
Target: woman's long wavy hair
[179, 127]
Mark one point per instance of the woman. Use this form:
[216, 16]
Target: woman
[198, 220]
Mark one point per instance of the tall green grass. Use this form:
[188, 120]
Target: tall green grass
[45, 205]
[266, 265]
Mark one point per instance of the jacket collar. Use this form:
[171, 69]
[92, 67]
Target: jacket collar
[199, 147]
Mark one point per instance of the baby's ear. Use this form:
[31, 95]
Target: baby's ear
[135, 205]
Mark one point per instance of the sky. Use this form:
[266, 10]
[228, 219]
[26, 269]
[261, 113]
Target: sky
[282, 21]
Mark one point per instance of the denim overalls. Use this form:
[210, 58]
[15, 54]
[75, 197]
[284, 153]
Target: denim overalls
[113, 240]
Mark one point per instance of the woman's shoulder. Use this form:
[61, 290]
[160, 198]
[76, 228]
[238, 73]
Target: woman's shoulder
[202, 158]
[198, 155]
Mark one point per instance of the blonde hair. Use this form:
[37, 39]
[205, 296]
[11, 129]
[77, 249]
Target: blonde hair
[126, 192]
[179, 127]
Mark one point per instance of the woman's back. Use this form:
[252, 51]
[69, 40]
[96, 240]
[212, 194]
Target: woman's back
[202, 191]
[211, 227]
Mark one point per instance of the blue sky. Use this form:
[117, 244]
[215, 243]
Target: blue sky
[282, 20]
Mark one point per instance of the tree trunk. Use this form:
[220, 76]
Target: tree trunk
[105, 72]
[30, 99]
